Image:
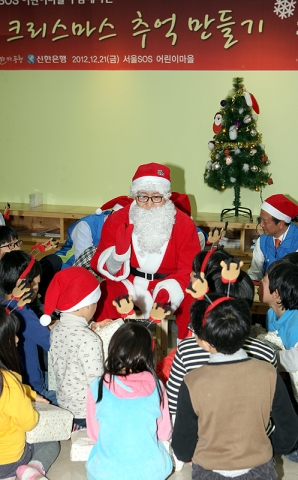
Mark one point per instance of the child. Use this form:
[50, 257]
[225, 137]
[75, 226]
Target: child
[32, 334]
[127, 412]
[8, 240]
[17, 415]
[224, 407]
[76, 351]
[189, 354]
[288, 359]
[279, 289]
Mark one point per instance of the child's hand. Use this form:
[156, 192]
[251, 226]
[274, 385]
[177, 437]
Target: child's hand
[41, 399]
[105, 322]
[53, 322]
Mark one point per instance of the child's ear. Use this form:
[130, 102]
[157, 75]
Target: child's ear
[275, 295]
[203, 344]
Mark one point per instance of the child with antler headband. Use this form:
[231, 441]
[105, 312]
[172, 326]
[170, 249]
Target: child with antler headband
[19, 278]
[224, 407]
[189, 355]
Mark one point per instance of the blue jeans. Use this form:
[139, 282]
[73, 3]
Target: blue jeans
[50, 395]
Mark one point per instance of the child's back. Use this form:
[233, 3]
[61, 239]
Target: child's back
[76, 351]
[127, 412]
[224, 407]
[127, 446]
[233, 401]
[77, 359]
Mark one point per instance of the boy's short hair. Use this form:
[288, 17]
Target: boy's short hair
[228, 323]
[292, 258]
[7, 234]
[283, 277]
[12, 265]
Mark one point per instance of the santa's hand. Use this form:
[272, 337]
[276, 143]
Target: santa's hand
[162, 296]
[123, 239]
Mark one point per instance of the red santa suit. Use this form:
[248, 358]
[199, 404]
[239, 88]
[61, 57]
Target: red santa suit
[144, 276]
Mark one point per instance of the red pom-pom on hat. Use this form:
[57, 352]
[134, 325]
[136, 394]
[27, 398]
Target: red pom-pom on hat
[280, 207]
[154, 173]
[70, 289]
[115, 204]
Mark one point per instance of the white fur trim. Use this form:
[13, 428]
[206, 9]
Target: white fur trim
[98, 211]
[274, 212]
[152, 179]
[93, 297]
[45, 320]
[248, 98]
[141, 296]
[117, 206]
[103, 259]
[123, 257]
[174, 290]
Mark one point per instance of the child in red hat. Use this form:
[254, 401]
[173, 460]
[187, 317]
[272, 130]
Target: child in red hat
[76, 351]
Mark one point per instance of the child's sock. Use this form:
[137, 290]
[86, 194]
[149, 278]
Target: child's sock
[33, 471]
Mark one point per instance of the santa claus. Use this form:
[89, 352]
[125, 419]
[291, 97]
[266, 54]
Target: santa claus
[146, 250]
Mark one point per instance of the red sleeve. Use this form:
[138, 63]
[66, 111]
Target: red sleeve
[108, 234]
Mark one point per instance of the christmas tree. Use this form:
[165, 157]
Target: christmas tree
[238, 157]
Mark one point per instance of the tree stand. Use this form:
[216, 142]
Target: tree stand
[237, 210]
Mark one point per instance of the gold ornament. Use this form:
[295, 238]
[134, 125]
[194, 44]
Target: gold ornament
[223, 130]
[223, 187]
[257, 189]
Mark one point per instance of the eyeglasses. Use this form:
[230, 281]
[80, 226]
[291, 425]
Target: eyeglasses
[13, 245]
[145, 199]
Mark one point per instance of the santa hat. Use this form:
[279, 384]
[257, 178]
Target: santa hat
[152, 173]
[115, 204]
[69, 290]
[181, 201]
[280, 207]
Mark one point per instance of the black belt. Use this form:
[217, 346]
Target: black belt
[148, 276]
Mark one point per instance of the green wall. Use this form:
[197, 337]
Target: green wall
[78, 136]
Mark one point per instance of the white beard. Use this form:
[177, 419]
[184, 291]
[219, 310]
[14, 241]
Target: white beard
[153, 227]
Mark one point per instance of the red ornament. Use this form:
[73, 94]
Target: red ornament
[227, 152]
[270, 181]
[264, 158]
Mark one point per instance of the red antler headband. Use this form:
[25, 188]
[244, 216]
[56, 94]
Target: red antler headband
[207, 258]
[27, 270]
[212, 306]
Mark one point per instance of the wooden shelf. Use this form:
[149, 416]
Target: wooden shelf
[238, 228]
[26, 220]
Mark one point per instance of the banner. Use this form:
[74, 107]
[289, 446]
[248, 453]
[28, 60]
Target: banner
[148, 35]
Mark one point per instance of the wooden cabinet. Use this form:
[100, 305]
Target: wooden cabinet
[31, 222]
[240, 232]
